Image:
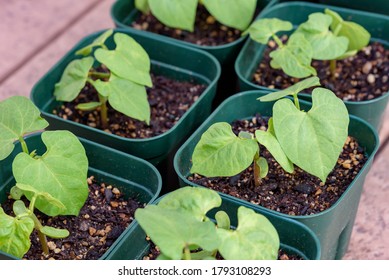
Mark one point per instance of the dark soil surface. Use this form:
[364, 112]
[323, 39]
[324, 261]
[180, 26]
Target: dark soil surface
[207, 31]
[298, 193]
[103, 218]
[169, 100]
[364, 76]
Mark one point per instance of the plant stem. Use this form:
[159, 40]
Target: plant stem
[257, 171]
[187, 253]
[38, 226]
[24, 145]
[296, 101]
[100, 75]
[333, 68]
[278, 41]
[103, 111]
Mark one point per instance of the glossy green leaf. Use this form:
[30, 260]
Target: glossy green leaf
[312, 140]
[142, 5]
[175, 13]
[172, 230]
[222, 220]
[294, 58]
[292, 90]
[221, 153]
[15, 234]
[261, 162]
[73, 79]
[325, 44]
[255, 238]
[61, 172]
[357, 35]
[16, 193]
[98, 42]
[19, 208]
[195, 201]
[236, 14]
[261, 30]
[88, 106]
[18, 116]
[128, 61]
[55, 232]
[126, 97]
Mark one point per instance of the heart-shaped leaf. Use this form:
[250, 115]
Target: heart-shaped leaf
[261, 30]
[98, 42]
[175, 13]
[195, 201]
[73, 79]
[255, 238]
[173, 230]
[142, 5]
[61, 172]
[312, 140]
[236, 14]
[126, 97]
[18, 116]
[15, 234]
[128, 61]
[325, 44]
[221, 153]
[54, 232]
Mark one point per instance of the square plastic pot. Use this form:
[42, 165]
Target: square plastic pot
[134, 177]
[332, 226]
[295, 237]
[297, 12]
[167, 58]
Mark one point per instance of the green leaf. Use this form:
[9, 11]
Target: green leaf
[325, 44]
[54, 232]
[294, 58]
[202, 255]
[88, 106]
[175, 13]
[18, 116]
[261, 162]
[357, 35]
[142, 5]
[271, 143]
[262, 29]
[126, 97]
[128, 61]
[221, 153]
[255, 238]
[15, 234]
[223, 220]
[195, 201]
[292, 90]
[173, 230]
[16, 193]
[312, 140]
[236, 14]
[19, 208]
[98, 42]
[60, 172]
[73, 79]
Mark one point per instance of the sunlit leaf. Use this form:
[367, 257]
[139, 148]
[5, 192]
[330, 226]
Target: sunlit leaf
[261, 30]
[98, 42]
[54, 232]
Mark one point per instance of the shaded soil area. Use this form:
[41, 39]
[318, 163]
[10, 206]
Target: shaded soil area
[103, 218]
[364, 76]
[207, 30]
[169, 100]
[298, 193]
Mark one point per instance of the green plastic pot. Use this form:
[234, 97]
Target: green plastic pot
[135, 177]
[295, 237]
[375, 6]
[332, 226]
[297, 12]
[169, 59]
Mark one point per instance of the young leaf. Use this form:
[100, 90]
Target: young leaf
[73, 79]
[19, 208]
[325, 44]
[221, 153]
[357, 35]
[15, 234]
[16, 193]
[195, 201]
[142, 5]
[261, 30]
[98, 42]
[236, 14]
[261, 162]
[55, 232]
[223, 220]
[255, 238]
[126, 97]
[292, 90]
[88, 106]
[172, 230]
[312, 140]
[175, 13]
[61, 172]
[128, 61]
[18, 116]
